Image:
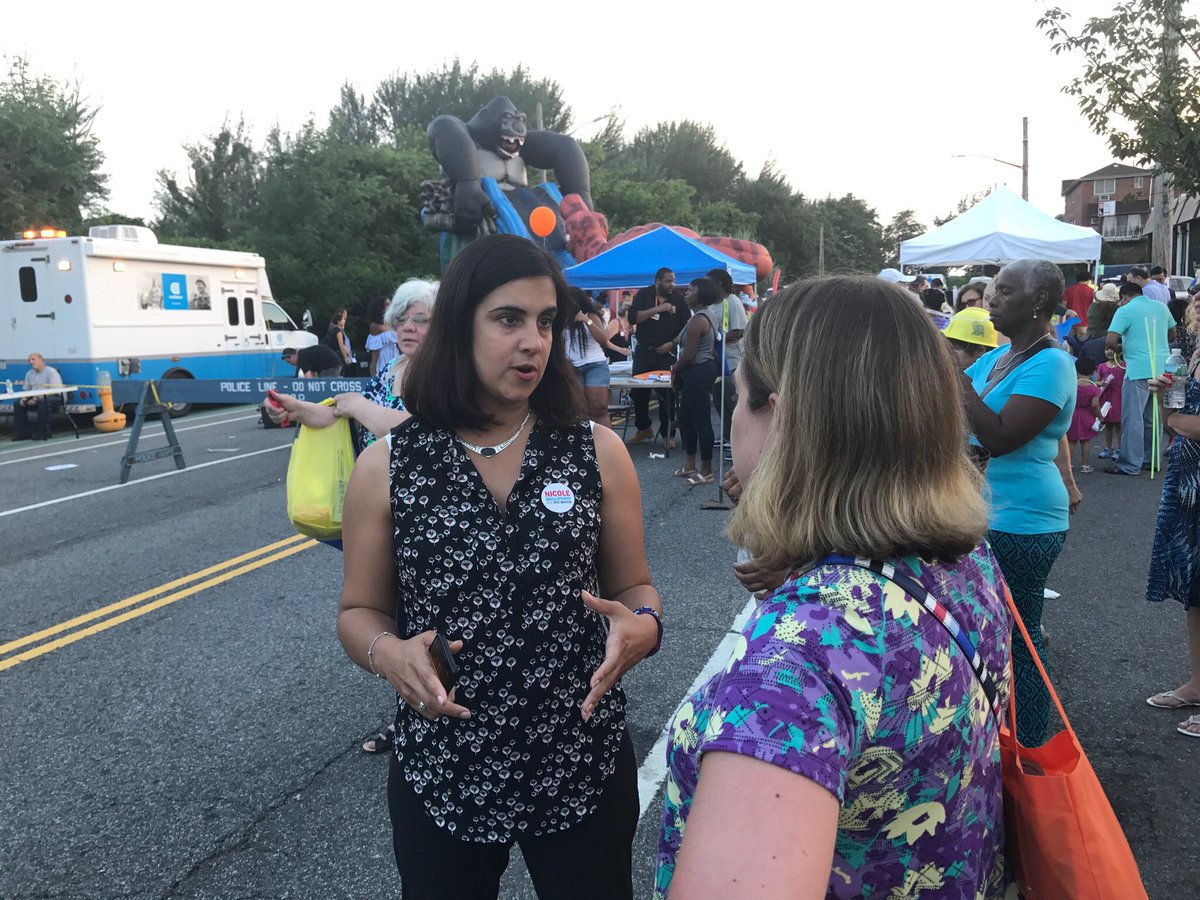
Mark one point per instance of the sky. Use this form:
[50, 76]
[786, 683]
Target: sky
[861, 96]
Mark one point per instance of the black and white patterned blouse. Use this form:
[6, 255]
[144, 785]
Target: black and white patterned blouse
[508, 585]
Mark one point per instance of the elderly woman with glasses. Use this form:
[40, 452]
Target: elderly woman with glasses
[378, 409]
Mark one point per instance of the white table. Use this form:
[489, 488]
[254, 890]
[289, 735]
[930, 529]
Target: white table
[50, 390]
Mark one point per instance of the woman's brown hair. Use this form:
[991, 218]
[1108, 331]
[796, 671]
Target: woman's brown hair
[866, 452]
[441, 386]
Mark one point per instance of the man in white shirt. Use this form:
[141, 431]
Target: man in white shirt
[39, 375]
[1155, 290]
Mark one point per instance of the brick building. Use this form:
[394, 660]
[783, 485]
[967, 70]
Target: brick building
[1115, 201]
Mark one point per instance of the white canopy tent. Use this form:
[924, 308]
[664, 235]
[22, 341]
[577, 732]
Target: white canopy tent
[1000, 228]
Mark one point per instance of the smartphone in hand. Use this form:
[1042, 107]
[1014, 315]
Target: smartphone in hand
[443, 662]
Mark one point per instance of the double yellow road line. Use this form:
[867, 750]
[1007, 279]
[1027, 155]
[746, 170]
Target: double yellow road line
[76, 629]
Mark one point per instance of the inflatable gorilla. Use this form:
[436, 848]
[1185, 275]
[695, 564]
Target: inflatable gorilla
[486, 188]
[495, 144]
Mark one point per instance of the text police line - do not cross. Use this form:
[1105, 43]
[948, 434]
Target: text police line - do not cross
[235, 390]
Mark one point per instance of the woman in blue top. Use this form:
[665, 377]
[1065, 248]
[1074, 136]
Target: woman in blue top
[1019, 401]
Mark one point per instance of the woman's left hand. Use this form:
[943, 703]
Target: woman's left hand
[630, 638]
[345, 406]
[1074, 498]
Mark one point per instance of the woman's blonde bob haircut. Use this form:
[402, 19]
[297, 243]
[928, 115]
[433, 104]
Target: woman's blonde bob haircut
[866, 450]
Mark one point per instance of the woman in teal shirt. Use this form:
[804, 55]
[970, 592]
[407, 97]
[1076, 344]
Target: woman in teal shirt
[1019, 400]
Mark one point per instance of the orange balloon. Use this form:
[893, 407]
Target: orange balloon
[542, 221]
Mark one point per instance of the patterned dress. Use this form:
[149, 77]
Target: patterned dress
[842, 678]
[379, 391]
[1175, 558]
[508, 585]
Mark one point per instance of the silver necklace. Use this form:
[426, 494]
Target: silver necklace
[1013, 357]
[489, 452]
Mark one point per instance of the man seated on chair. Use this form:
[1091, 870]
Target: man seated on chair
[39, 376]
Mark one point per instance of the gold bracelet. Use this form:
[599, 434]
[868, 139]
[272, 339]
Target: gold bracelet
[371, 652]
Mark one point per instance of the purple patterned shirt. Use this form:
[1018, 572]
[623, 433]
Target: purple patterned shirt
[844, 679]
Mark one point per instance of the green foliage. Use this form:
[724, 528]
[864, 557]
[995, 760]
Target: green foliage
[627, 202]
[963, 205]
[49, 159]
[904, 225]
[1141, 66]
[853, 240]
[413, 100]
[722, 218]
[221, 192]
[338, 222]
[686, 150]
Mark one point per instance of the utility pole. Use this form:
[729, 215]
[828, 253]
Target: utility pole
[1025, 157]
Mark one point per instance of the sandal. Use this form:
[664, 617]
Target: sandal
[685, 472]
[1170, 700]
[1086, 469]
[1190, 727]
[380, 741]
[696, 479]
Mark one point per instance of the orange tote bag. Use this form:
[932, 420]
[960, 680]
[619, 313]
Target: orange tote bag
[1063, 838]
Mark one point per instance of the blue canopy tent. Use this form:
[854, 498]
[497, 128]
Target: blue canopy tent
[633, 263]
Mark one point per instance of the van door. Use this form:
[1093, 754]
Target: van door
[243, 333]
[29, 306]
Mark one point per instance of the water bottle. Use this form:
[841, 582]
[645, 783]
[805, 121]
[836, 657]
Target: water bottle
[1177, 391]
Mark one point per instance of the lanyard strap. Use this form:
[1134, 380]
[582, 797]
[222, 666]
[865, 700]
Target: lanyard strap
[915, 590]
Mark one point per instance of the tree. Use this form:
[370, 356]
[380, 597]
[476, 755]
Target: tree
[787, 223]
[687, 150]
[413, 100]
[1141, 66]
[627, 203]
[49, 158]
[963, 205]
[352, 121]
[904, 225]
[854, 241]
[338, 222]
[223, 188]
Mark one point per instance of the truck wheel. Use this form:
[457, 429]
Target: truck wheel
[179, 409]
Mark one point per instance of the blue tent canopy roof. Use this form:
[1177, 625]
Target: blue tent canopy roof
[633, 263]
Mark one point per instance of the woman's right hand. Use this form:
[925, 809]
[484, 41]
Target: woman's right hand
[756, 579]
[408, 667]
[1159, 383]
[284, 410]
[732, 486]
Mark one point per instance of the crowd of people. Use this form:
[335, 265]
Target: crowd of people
[495, 574]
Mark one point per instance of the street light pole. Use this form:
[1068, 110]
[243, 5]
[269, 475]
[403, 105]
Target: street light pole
[1023, 165]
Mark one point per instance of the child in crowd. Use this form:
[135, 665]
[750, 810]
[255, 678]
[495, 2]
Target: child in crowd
[1087, 410]
[1111, 375]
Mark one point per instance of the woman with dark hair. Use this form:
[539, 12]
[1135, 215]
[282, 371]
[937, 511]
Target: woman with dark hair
[335, 339]
[486, 525]
[693, 374]
[585, 342]
[1020, 399]
[1175, 558]
[619, 333]
[381, 337]
[969, 295]
[849, 748]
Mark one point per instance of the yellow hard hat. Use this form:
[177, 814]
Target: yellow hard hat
[972, 326]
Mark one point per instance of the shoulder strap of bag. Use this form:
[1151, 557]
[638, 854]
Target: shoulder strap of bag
[917, 591]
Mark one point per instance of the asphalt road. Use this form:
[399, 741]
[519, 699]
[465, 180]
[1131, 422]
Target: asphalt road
[202, 739]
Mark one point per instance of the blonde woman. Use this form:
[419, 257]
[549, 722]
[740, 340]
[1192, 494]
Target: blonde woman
[821, 756]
